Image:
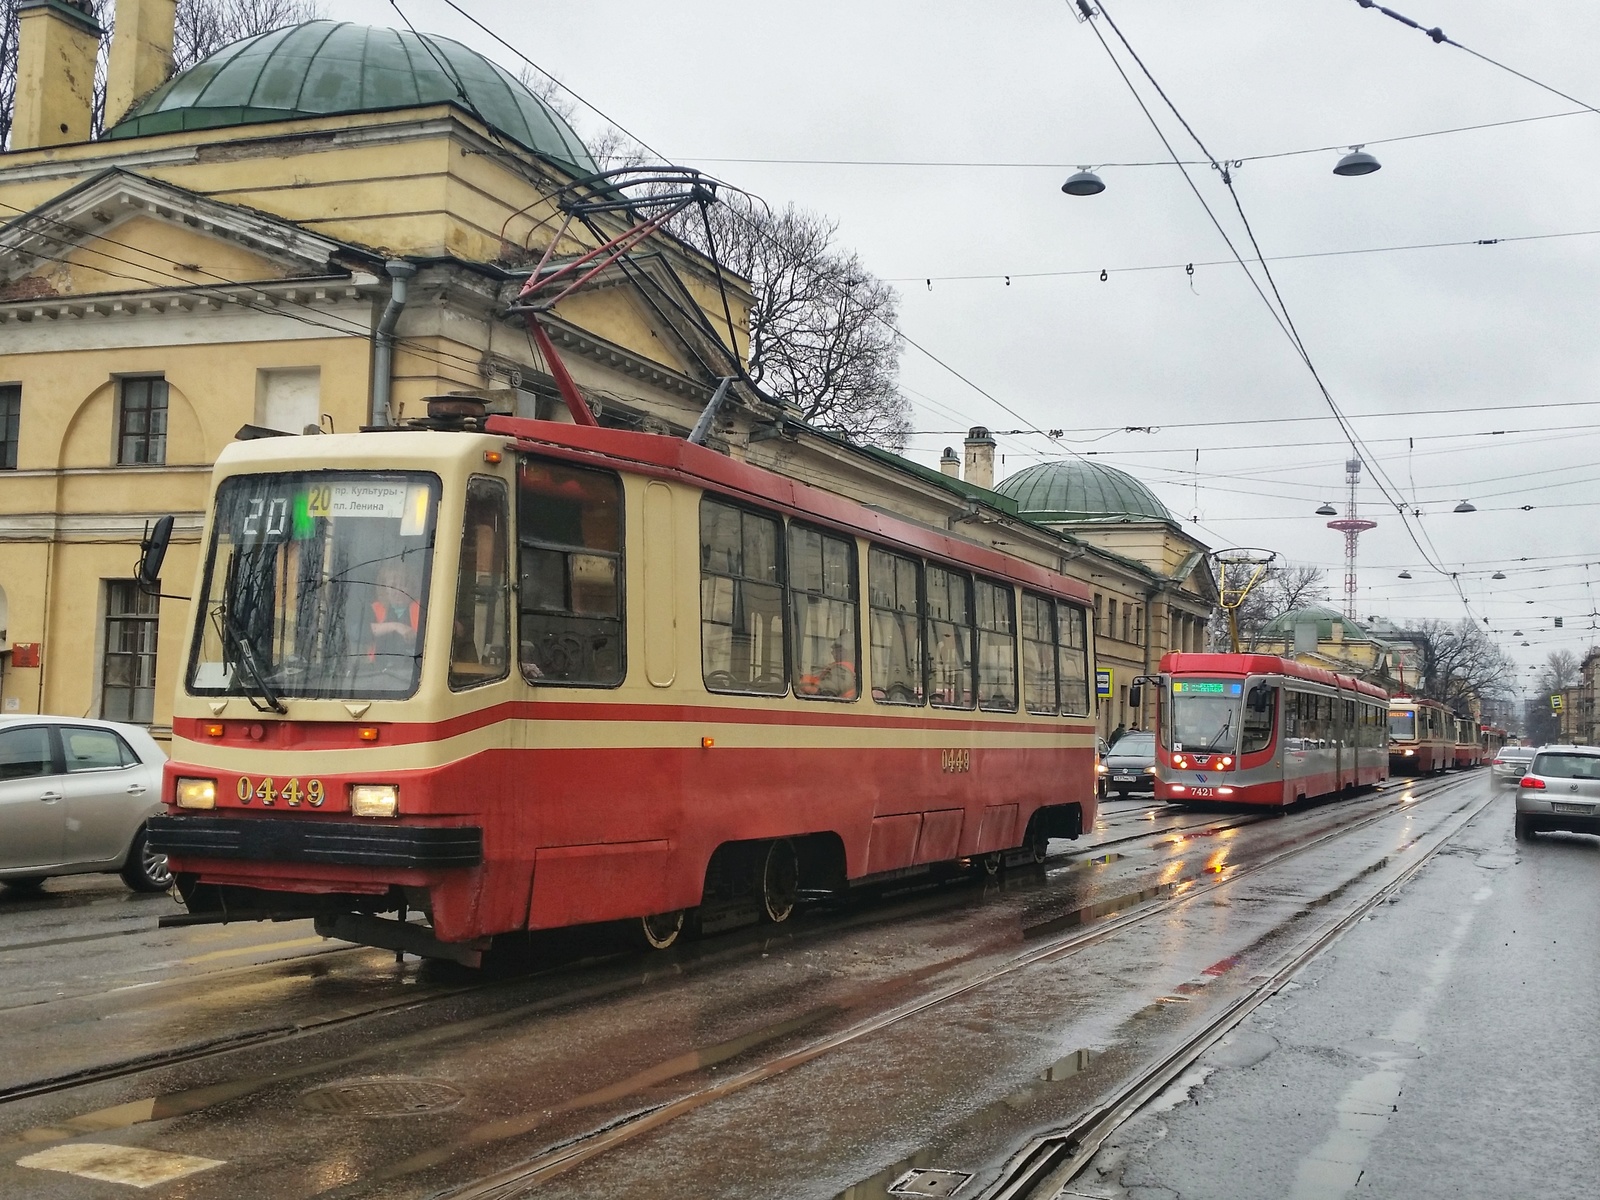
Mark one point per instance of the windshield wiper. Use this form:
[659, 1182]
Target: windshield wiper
[244, 652]
[1227, 724]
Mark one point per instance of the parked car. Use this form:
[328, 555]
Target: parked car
[1511, 763]
[1131, 764]
[1560, 791]
[74, 798]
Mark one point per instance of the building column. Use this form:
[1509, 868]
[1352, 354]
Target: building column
[57, 41]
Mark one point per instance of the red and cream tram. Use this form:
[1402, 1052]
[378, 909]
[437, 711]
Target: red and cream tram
[531, 675]
[1490, 739]
[1469, 751]
[1256, 729]
[1422, 737]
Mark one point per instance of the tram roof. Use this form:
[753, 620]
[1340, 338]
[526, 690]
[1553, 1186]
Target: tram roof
[653, 454]
[673, 457]
[1181, 663]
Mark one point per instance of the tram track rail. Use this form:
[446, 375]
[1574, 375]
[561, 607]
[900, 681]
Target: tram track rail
[1051, 1162]
[572, 1152]
[1107, 918]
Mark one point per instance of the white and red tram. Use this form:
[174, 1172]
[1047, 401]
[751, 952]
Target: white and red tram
[533, 674]
[1258, 729]
[1422, 737]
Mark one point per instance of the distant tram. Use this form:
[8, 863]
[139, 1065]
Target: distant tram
[522, 674]
[1490, 739]
[1257, 729]
[1469, 749]
[1422, 737]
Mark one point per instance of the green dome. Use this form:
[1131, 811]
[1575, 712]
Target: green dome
[1078, 490]
[1323, 617]
[322, 68]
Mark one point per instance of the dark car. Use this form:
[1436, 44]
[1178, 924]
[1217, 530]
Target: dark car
[1131, 764]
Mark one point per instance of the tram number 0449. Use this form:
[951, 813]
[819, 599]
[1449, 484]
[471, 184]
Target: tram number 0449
[289, 792]
[955, 762]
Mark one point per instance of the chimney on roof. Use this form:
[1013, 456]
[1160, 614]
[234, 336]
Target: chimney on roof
[980, 458]
[949, 463]
[56, 46]
[141, 54]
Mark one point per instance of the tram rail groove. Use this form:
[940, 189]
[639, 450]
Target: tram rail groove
[574, 1151]
[1049, 1163]
[258, 1038]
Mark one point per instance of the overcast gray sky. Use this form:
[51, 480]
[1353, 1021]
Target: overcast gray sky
[1501, 328]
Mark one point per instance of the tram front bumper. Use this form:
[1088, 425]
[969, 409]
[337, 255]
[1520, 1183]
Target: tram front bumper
[326, 843]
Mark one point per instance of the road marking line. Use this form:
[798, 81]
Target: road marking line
[132, 1165]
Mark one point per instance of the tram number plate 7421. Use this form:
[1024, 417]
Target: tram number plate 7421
[289, 792]
[1199, 791]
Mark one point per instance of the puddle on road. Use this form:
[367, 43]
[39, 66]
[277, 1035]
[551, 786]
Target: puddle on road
[898, 1181]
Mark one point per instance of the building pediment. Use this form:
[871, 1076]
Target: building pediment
[122, 232]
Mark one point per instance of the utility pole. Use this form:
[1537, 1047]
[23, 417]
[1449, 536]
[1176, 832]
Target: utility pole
[1352, 526]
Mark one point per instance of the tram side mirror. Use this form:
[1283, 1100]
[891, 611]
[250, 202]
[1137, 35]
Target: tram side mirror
[152, 553]
[1135, 695]
[1260, 698]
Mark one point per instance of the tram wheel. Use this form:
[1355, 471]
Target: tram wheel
[989, 863]
[662, 930]
[780, 881]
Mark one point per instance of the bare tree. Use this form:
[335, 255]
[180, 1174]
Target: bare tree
[1281, 589]
[1561, 670]
[201, 27]
[822, 328]
[1459, 663]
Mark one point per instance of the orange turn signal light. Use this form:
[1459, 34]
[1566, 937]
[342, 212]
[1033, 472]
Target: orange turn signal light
[368, 733]
[492, 457]
[707, 743]
[214, 730]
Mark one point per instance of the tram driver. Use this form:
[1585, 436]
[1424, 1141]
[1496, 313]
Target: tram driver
[395, 612]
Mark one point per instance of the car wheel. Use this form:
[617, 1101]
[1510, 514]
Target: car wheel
[1524, 828]
[28, 886]
[145, 871]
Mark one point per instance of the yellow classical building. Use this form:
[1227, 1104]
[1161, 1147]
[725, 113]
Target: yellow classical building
[316, 229]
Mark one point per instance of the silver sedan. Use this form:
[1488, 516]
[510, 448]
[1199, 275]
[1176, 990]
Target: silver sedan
[74, 798]
[1511, 763]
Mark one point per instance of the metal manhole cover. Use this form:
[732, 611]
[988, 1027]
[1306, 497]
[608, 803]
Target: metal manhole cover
[929, 1182]
[393, 1097]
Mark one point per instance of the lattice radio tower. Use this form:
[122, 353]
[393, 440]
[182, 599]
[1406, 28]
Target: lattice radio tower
[1352, 526]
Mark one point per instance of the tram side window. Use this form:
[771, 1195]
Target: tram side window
[481, 633]
[1039, 654]
[1072, 660]
[741, 601]
[894, 588]
[1260, 712]
[995, 611]
[822, 591]
[569, 541]
[949, 639]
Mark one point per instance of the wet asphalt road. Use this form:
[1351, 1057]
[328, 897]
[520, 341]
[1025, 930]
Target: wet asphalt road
[1449, 1046]
[938, 1027]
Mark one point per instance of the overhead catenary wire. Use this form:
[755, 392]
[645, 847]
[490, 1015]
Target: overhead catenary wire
[1147, 268]
[1279, 310]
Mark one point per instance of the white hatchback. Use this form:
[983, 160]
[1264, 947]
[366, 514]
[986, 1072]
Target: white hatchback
[74, 798]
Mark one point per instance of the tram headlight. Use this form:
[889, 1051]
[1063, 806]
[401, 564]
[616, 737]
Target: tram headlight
[374, 799]
[1409, 753]
[195, 793]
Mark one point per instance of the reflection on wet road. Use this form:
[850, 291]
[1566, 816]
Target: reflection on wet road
[936, 1029]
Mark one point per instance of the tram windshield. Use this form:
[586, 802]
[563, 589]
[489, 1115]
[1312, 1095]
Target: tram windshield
[316, 585]
[1205, 714]
[1403, 726]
